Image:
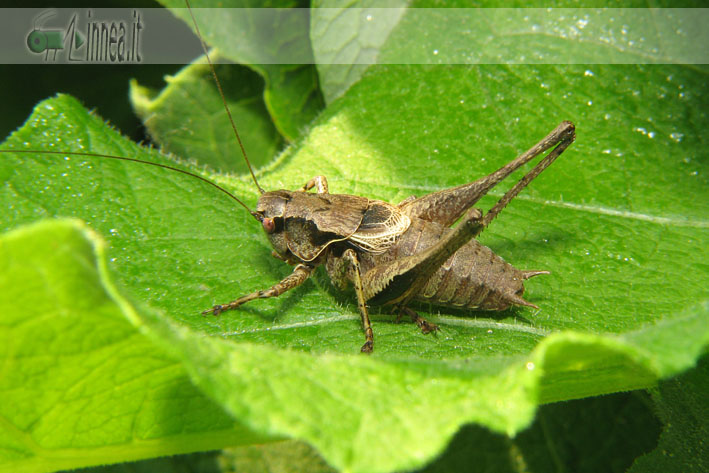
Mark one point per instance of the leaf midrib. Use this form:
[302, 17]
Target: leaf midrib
[457, 321]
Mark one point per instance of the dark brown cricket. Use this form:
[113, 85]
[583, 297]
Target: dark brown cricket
[397, 254]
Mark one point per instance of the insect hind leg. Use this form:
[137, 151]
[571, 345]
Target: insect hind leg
[562, 136]
[448, 205]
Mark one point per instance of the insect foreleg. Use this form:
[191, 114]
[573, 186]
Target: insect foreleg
[351, 257]
[295, 279]
[446, 206]
[320, 182]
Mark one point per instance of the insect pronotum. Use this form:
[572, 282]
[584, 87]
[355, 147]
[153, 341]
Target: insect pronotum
[393, 254]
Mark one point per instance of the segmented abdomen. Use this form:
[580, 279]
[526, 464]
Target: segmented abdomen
[474, 277]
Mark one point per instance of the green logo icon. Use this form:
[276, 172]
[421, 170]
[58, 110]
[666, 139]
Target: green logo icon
[40, 40]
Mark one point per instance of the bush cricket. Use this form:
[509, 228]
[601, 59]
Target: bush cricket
[393, 254]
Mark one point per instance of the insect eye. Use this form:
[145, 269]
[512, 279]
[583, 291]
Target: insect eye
[269, 225]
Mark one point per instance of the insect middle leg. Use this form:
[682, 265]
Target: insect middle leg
[351, 257]
[299, 275]
[423, 324]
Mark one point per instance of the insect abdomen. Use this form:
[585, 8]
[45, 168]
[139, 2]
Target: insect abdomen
[474, 277]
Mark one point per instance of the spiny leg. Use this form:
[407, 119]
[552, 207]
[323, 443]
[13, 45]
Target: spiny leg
[446, 206]
[564, 135]
[320, 182]
[351, 256]
[295, 279]
[511, 194]
[423, 324]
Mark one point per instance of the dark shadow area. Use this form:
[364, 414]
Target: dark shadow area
[589, 435]
[106, 92]
[201, 462]
[472, 313]
[103, 88]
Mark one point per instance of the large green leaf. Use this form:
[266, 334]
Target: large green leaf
[476, 369]
[81, 385]
[347, 37]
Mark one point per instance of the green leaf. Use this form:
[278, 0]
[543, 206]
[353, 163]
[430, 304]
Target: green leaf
[346, 40]
[569, 35]
[188, 118]
[273, 43]
[81, 383]
[349, 36]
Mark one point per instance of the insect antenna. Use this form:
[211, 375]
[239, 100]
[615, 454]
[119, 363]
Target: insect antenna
[221, 93]
[257, 215]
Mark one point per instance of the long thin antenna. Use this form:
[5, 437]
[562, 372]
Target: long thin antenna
[221, 92]
[123, 158]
